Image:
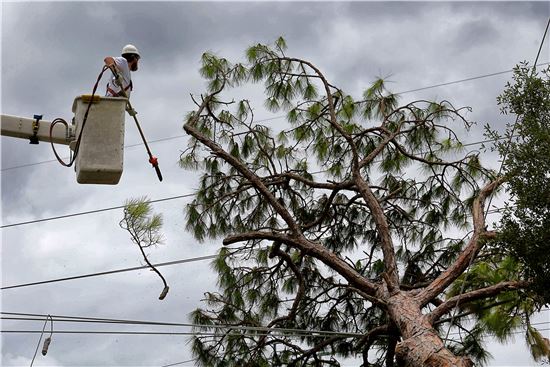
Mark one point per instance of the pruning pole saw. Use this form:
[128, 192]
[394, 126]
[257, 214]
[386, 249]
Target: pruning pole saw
[153, 160]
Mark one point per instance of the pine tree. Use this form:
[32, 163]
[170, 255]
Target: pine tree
[358, 217]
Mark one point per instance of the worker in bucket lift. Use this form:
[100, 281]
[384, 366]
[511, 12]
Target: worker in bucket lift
[128, 61]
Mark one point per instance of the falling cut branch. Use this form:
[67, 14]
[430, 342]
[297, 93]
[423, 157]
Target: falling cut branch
[166, 288]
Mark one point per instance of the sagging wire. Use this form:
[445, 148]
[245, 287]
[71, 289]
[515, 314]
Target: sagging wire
[47, 341]
[62, 121]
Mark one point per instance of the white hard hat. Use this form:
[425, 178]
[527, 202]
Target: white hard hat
[130, 49]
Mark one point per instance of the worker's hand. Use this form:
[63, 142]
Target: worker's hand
[131, 111]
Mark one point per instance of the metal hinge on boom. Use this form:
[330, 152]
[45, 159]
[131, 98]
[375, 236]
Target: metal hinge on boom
[35, 125]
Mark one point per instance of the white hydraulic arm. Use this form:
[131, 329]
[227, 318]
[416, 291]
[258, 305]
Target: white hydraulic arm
[35, 129]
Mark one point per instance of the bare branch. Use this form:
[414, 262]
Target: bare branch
[474, 245]
[474, 295]
[313, 249]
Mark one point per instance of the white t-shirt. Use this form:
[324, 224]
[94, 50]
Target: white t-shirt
[124, 70]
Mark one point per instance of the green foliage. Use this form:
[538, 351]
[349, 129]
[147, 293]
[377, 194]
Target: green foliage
[538, 345]
[144, 227]
[525, 226]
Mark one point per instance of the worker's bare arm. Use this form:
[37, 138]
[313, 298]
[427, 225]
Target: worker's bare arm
[109, 61]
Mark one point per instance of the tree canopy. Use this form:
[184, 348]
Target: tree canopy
[525, 227]
[358, 225]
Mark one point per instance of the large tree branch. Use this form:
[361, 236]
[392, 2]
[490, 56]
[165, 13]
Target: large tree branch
[373, 334]
[475, 295]
[330, 99]
[315, 184]
[474, 245]
[467, 313]
[315, 250]
[391, 274]
[390, 263]
[378, 149]
[318, 347]
[254, 179]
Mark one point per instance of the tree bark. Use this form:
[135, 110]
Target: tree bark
[421, 345]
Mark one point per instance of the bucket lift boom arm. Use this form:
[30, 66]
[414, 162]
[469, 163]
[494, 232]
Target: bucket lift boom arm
[35, 129]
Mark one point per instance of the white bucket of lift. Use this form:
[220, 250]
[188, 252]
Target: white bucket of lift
[101, 152]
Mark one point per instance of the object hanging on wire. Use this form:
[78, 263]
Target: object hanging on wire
[152, 159]
[47, 341]
[144, 231]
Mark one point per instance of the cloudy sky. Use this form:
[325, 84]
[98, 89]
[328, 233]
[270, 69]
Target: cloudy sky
[53, 51]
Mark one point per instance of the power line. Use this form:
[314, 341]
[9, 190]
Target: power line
[289, 331]
[200, 333]
[91, 211]
[162, 199]
[542, 42]
[79, 319]
[201, 258]
[283, 116]
[465, 80]
[512, 333]
[178, 363]
[93, 320]
[187, 333]
[133, 268]
[182, 333]
[175, 262]
[231, 329]
[155, 323]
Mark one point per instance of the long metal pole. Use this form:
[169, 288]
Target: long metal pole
[153, 160]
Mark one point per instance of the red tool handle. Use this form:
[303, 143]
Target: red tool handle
[154, 162]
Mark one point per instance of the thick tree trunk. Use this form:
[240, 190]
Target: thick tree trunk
[421, 345]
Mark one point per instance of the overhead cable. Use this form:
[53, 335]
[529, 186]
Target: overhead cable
[542, 42]
[200, 258]
[200, 333]
[17, 316]
[58, 318]
[233, 329]
[464, 80]
[92, 211]
[179, 363]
